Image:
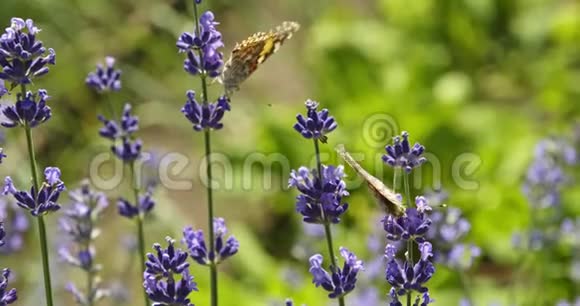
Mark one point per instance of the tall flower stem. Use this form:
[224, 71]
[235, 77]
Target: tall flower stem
[139, 221]
[41, 225]
[207, 139]
[465, 286]
[212, 267]
[327, 230]
[410, 241]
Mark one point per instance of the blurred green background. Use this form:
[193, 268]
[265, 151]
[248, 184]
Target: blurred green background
[482, 77]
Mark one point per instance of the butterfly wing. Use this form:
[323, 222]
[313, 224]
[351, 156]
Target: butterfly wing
[386, 198]
[250, 53]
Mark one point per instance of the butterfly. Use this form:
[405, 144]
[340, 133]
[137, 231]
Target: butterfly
[250, 53]
[386, 197]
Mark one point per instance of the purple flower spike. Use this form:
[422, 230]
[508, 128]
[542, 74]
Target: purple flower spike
[205, 116]
[207, 43]
[105, 78]
[166, 261]
[408, 277]
[45, 200]
[168, 291]
[402, 155]
[197, 247]
[30, 110]
[339, 282]
[128, 210]
[6, 296]
[413, 225]
[22, 56]
[316, 124]
[320, 201]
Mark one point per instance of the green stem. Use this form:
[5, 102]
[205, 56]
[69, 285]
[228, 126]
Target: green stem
[140, 233]
[465, 286]
[327, 230]
[395, 176]
[41, 225]
[212, 267]
[210, 213]
[112, 111]
[410, 246]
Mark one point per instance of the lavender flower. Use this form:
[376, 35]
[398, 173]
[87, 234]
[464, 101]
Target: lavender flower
[16, 224]
[2, 233]
[30, 110]
[2, 155]
[449, 227]
[401, 154]
[105, 78]
[78, 224]
[3, 89]
[45, 200]
[407, 277]
[128, 150]
[545, 176]
[413, 225]
[316, 124]
[128, 210]
[22, 56]
[339, 282]
[197, 247]
[203, 56]
[159, 277]
[128, 125]
[205, 115]
[571, 303]
[6, 297]
[421, 299]
[166, 261]
[320, 201]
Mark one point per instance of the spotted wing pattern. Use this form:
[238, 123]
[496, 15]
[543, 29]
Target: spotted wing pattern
[250, 53]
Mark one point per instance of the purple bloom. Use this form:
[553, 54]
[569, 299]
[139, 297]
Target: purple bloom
[449, 227]
[316, 124]
[105, 78]
[223, 249]
[545, 176]
[2, 155]
[166, 291]
[408, 277]
[6, 297]
[462, 256]
[2, 233]
[45, 200]
[401, 154]
[421, 300]
[202, 50]
[16, 224]
[78, 224]
[22, 56]
[30, 110]
[128, 210]
[3, 89]
[166, 261]
[340, 281]
[320, 201]
[412, 225]
[128, 125]
[128, 150]
[571, 303]
[205, 116]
